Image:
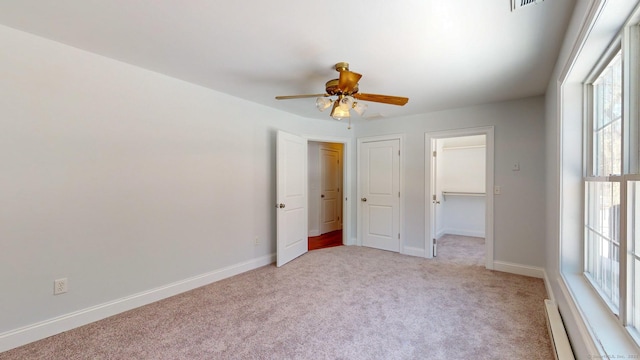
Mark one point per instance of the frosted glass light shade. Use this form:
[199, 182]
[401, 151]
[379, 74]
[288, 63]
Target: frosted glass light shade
[323, 103]
[347, 101]
[340, 110]
[360, 108]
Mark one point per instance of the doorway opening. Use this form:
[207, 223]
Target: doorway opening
[460, 201]
[292, 195]
[459, 193]
[325, 183]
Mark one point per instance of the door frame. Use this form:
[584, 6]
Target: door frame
[400, 138]
[347, 153]
[488, 131]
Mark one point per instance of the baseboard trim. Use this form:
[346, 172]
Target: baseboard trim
[314, 232]
[462, 232]
[548, 287]
[518, 269]
[30, 333]
[413, 251]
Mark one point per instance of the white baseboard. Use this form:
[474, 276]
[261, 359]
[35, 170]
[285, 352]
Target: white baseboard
[30, 333]
[518, 269]
[413, 251]
[462, 232]
[548, 287]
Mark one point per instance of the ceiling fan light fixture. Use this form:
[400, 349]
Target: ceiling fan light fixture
[340, 110]
[323, 103]
[360, 108]
[347, 101]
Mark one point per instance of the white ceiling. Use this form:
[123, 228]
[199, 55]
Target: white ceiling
[440, 54]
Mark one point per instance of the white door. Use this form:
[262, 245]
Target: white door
[435, 201]
[291, 164]
[330, 183]
[380, 194]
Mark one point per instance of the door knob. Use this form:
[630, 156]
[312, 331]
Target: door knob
[322, 195]
[364, 199]
[281, 206]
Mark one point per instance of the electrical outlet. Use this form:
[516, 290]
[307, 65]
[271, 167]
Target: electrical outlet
[60, 286]
[257, 241]
[497, 190]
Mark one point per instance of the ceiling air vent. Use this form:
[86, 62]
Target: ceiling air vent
[519, 4]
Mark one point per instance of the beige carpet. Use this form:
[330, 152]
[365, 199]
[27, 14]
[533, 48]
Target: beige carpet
[336, 303]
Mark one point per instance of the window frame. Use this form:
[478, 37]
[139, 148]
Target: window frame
[627, 43]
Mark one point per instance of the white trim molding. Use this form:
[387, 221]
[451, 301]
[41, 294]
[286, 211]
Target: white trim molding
[519, 269]
[18, 337]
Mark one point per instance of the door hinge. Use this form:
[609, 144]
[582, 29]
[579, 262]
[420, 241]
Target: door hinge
[338, 161]
[435, 153]
[434, 197]
[398, 193]
[398, 236]
[398, 152]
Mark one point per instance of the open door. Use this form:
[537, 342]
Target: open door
[434, 198]
[291, 178]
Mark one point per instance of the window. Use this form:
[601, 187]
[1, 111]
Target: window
[602, 187]
[612, 183]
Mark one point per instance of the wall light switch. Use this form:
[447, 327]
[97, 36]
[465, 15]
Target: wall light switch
[515, 166]
[497, 190]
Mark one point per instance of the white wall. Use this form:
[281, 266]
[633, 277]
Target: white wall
[123, 180]
[519, 136]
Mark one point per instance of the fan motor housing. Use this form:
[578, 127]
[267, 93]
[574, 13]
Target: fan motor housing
[331, 87]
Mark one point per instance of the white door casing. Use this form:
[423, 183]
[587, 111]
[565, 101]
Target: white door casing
[379, 182]
[291, 195]
[330, 184]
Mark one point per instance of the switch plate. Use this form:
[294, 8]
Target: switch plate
[497, 190]
[515, 166]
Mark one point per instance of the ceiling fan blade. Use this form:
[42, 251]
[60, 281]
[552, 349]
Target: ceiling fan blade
[386, 99]
[288, 97]
[348, 81]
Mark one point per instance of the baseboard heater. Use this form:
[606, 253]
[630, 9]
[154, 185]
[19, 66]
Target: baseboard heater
[557, 333]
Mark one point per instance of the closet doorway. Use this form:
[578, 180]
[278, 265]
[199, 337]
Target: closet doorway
[460, 198]
[325, 164]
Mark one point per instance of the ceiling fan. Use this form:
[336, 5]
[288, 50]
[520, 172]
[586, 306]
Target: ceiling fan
[346, 90]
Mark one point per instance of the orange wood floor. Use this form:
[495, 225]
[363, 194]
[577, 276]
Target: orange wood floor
[330, 239]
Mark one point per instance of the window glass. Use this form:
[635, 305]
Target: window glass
[602, 232]
[607, 120]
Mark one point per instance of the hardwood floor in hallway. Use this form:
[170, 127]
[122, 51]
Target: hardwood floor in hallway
[329, 239]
